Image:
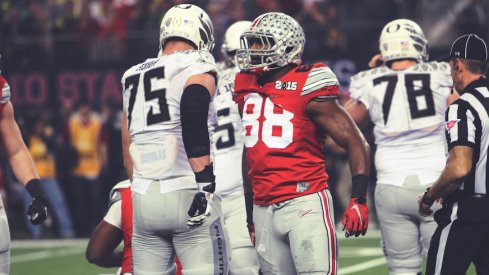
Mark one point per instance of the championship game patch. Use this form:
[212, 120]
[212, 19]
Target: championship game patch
[449, 124]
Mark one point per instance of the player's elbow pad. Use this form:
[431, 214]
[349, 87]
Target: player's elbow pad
[194, 108]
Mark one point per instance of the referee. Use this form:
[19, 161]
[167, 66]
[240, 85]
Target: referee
[462, 235]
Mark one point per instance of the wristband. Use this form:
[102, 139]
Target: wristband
[359, 185]
[205, 179]
[34, 188]
[427, 200]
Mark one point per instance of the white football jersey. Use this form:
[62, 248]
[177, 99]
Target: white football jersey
[5, 91]
[227, 137]
[408, 110]
[151, 99]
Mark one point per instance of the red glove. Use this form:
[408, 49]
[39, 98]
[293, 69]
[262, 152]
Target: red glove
[355, 219]
[251, 231]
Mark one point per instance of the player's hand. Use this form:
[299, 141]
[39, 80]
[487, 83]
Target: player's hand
[376, 61]
[425, 202]
[200, 208]
[355, 219]
[37, 211]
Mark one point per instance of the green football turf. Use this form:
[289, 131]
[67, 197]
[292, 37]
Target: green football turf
[357, 256]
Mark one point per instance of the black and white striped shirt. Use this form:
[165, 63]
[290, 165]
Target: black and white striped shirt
[467, 123]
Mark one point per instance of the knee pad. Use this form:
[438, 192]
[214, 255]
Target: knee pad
[406, 267]
[244, 261]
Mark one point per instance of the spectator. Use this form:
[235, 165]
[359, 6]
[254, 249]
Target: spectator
[83, 133]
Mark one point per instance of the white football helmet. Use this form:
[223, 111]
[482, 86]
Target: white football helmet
[189, 22]
[282, 42]
[402, 38]
[232, 40]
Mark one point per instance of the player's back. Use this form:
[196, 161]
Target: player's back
[228, 135]
[284, 147]
[152, 94]
[408, 109]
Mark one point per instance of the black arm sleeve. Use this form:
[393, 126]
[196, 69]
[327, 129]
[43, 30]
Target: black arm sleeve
[194, 108]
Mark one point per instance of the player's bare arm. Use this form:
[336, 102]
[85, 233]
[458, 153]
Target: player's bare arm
[126, 142]
[101, 247]
[333, 120]
[459, 164]
[22, 164]
[18, 154]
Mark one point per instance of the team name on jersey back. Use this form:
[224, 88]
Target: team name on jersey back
[152, 92]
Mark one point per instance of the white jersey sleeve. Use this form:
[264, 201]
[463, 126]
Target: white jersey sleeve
[407, 108]
[228, 140]
[361, 84]
[152, 93]
[5, 88]
[114, 214]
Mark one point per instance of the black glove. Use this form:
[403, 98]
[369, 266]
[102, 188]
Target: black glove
[200, 208]
[37, 212]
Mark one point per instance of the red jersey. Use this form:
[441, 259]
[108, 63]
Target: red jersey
[283, 146]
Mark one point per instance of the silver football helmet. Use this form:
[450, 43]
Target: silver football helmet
[403, 38]
[189, 22]
[274, 39]
[232, 41]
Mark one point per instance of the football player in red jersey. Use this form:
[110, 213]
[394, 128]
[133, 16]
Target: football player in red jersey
[114, 228]
[24, 169]
[287, 110]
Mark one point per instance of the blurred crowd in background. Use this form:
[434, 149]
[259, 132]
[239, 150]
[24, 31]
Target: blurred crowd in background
[64, 60]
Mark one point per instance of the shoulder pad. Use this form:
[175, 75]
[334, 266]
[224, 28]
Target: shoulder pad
[115, 194]
[369, 74]
[206, 57]
[319, 77]
[432, 66]
[244, 82]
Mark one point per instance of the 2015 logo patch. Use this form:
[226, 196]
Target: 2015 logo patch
[288, 85]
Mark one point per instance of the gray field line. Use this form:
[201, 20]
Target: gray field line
[39, 255]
